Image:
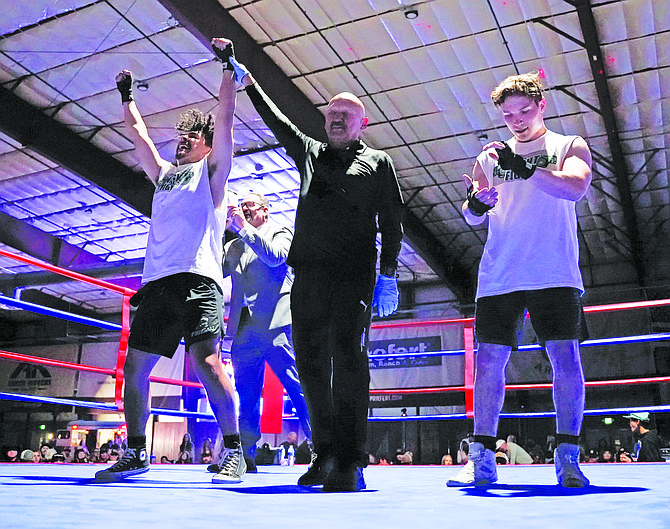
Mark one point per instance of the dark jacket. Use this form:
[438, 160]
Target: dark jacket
[648, 448]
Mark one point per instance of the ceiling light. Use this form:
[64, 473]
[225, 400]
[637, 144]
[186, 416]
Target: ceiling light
[411, 13]
[142, 85]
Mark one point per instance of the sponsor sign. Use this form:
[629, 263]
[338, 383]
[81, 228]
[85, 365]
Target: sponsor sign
[419, 344]
[30, 378]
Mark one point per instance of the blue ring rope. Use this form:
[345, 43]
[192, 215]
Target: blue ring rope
[208, 416]
[641, 338]
[102, 405]
[39, 309]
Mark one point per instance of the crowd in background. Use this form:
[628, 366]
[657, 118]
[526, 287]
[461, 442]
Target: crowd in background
[508, 451]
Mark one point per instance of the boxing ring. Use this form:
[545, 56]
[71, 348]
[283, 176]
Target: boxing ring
[50, 495]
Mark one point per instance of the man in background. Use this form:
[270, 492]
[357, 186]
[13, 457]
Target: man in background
[259, 320]
[647, 447]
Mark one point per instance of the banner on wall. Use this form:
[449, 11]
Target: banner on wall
[401, 346]
[98, 386]
[27, 378]
[415, 371]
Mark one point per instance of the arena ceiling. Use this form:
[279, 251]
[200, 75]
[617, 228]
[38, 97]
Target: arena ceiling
[71, 191]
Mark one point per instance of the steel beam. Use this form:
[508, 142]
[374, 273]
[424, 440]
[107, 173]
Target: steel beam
[590, 34]
[41, 245]
[34, 129]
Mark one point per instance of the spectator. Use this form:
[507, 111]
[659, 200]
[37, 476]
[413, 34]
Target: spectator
[534, 451]
[648, 444]
[303, 455]
[165, 460]
[104, 456]
[515, 454]
[593, 456]
[43, 451]
[184, 458]
[27, 456]
[82, 446]
[622, 456]
[206, 454]
[501, 458]
[405, 458]
[464, 450]
[291, 441]
[10, 454]
[447, 459]
[80, 455]
[187, 447]
[605, 456]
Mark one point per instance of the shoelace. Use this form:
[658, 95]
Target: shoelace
[230, 462]
[128, 456]
[570, 462]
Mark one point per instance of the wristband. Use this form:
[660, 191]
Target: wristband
[476, 206]
[239, 69]
[388, 271]
[125, 87]
[509, 161]
[224, 55]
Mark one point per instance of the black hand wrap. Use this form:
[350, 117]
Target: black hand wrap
[125, 86]
[475, 205]
[509, 161]
[224, 55]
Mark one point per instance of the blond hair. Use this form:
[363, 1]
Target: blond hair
[527, 84]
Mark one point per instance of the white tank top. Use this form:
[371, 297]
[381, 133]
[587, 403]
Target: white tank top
[532, 236]
[186, 233]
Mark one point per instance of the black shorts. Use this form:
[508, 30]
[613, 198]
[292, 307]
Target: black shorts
[188, 306]
[555, 313]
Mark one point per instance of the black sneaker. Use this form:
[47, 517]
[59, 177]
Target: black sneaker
[134, 461]
[317, 472]
[345, 478]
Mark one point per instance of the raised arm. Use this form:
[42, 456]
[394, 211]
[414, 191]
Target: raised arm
[271, 248]
[146, 151]
[220, 160]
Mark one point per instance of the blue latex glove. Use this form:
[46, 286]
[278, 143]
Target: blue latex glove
[240, 70]
[385, 297]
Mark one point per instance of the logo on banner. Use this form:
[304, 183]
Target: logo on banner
[422, 344]
[29, 376]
